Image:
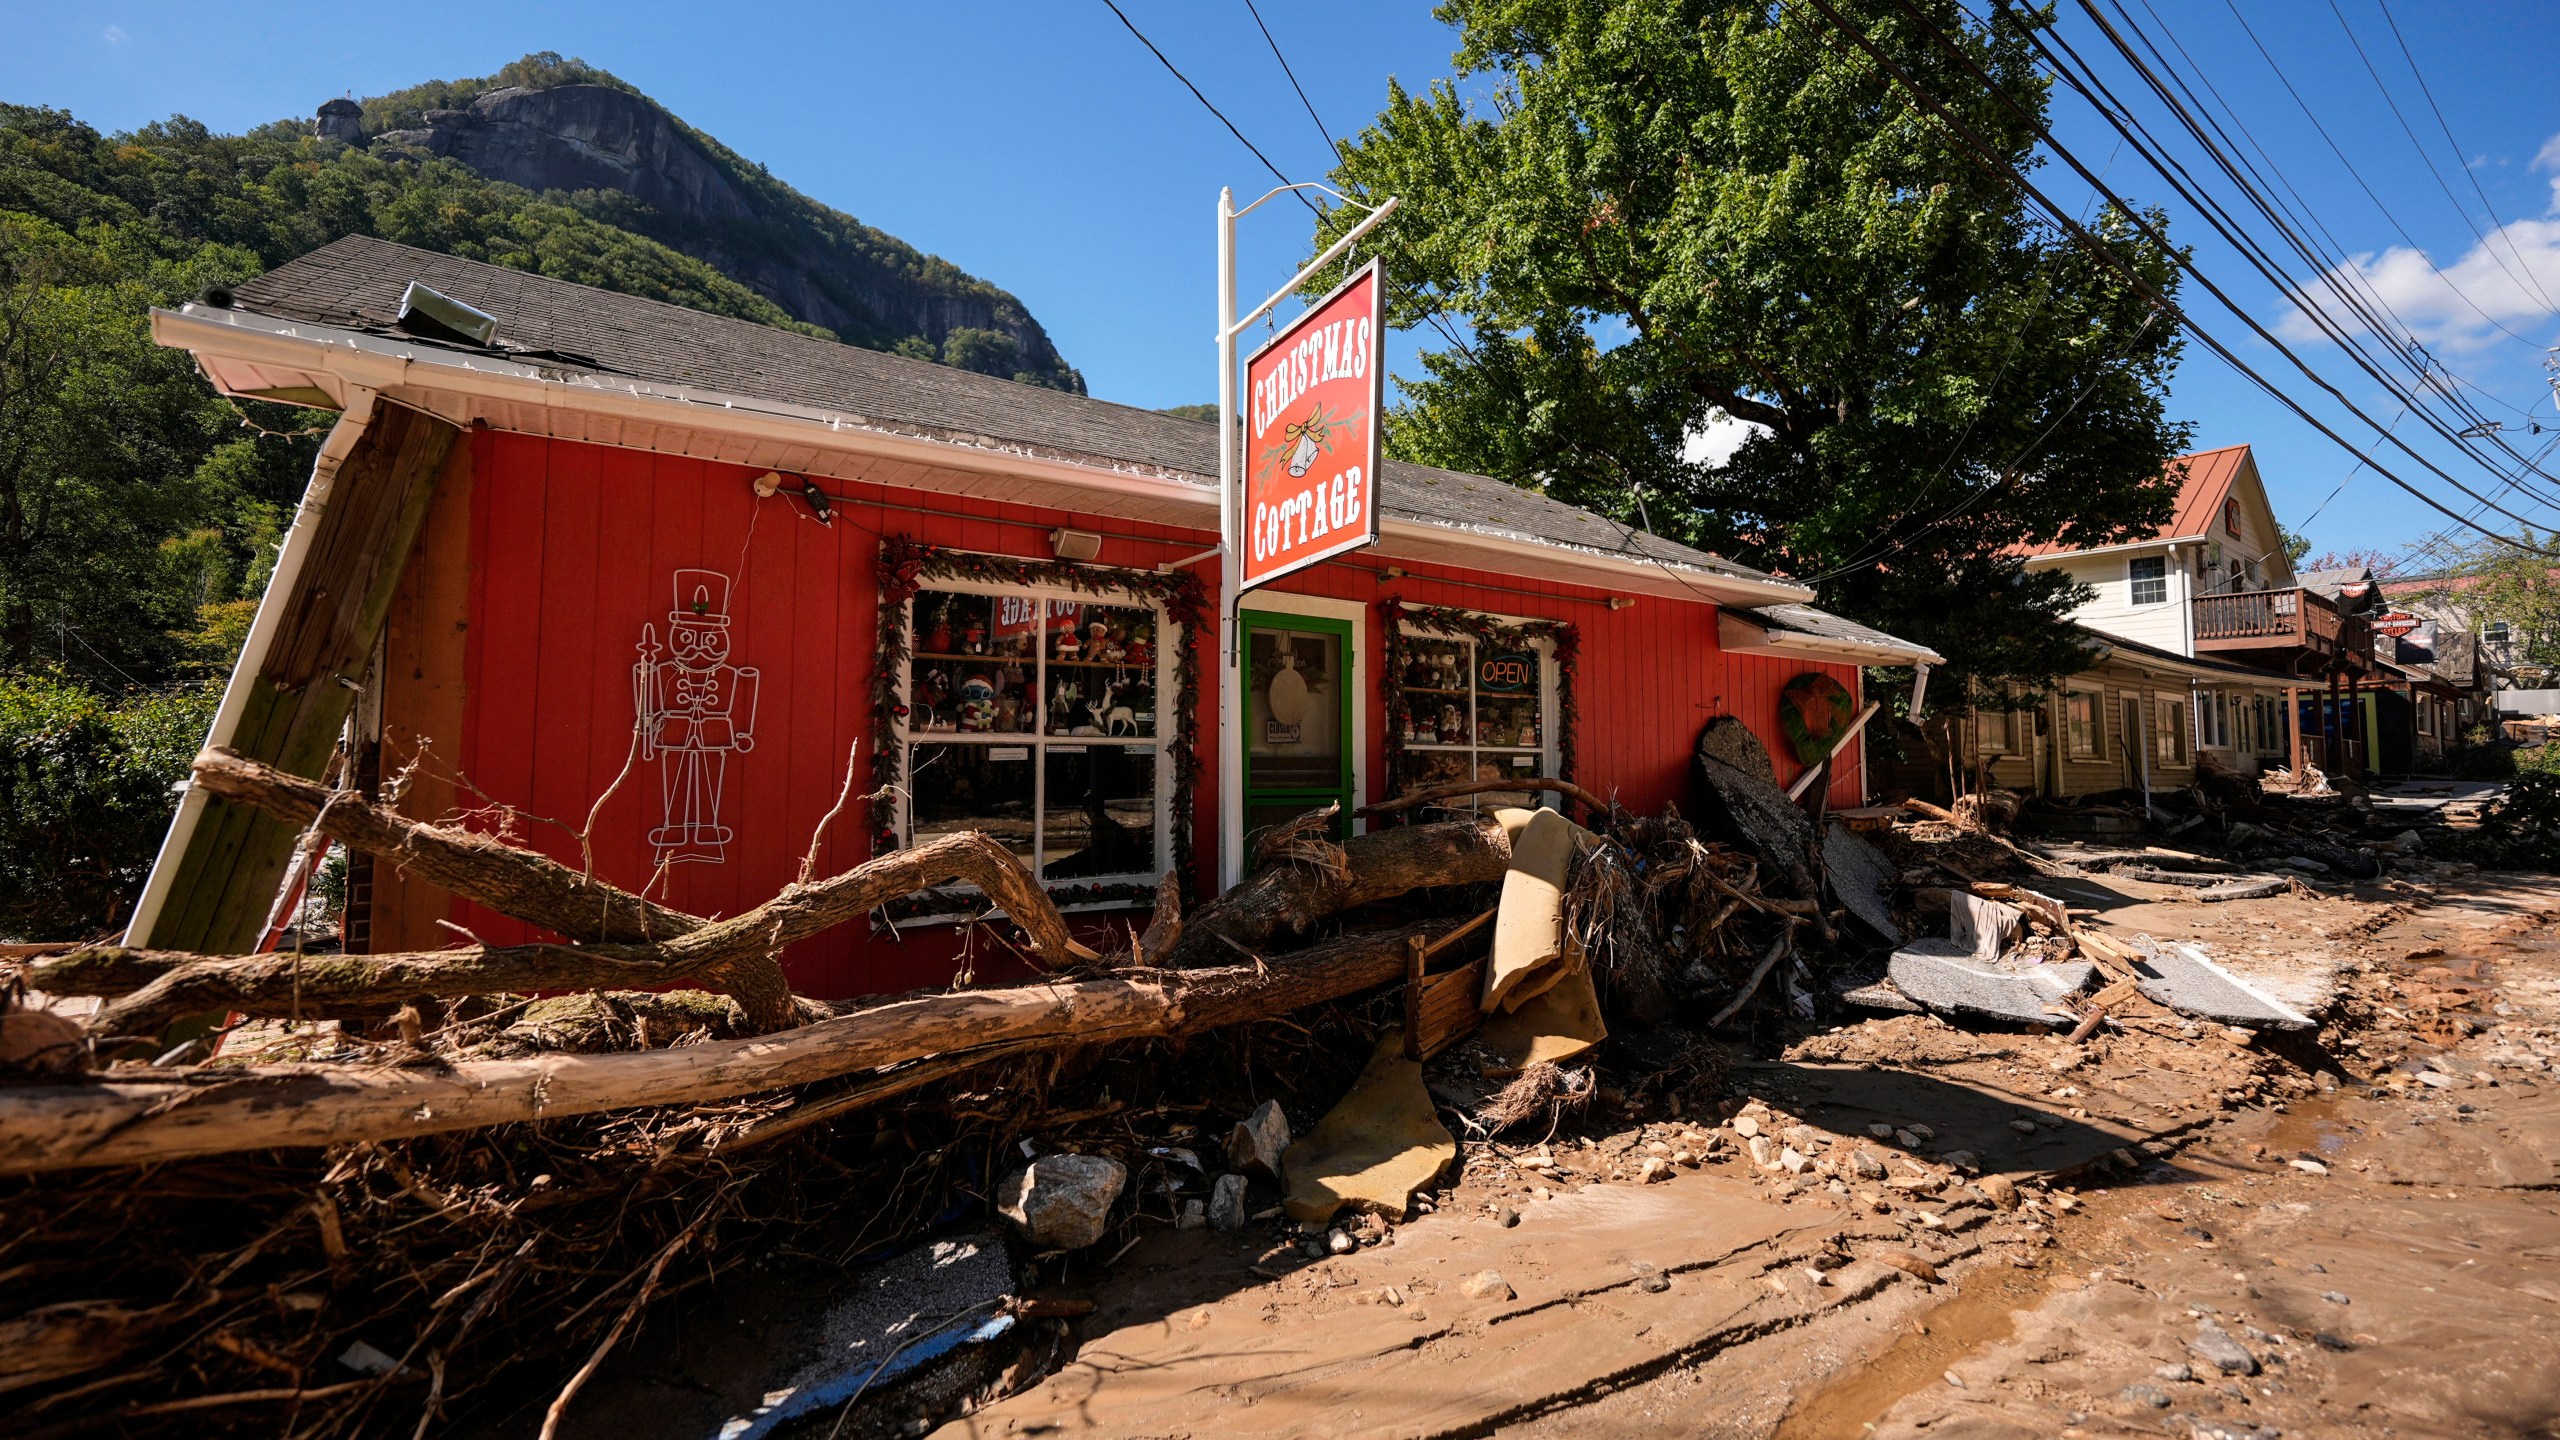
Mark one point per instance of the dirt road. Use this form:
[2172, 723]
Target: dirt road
[2200, 1234]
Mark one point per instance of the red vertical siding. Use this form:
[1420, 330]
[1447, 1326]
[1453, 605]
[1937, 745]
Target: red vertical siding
[578, 545]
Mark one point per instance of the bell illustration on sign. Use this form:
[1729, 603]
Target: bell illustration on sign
[696, 710]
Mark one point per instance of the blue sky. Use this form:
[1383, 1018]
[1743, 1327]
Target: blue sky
[1040, 146]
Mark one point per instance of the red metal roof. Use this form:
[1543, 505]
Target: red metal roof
[2209, 477]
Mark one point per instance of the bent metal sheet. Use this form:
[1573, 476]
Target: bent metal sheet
[1312, 402]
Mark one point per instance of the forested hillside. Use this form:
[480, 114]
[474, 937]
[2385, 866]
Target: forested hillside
[139, 511]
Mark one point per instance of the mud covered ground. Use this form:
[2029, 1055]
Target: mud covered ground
[2171, 1230]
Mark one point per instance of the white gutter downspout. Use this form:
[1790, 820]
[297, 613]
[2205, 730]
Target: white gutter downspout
[341, 440]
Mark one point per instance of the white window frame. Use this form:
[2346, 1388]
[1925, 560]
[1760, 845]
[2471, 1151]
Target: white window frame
[2172, 743]
[2097, 699]
[1549, 751]
[1168, 637]
[2135, 580]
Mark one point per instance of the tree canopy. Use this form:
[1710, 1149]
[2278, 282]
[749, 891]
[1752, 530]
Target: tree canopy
[1639, 226]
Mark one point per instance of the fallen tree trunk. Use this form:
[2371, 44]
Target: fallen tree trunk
[517, 883]
[1460, 789]
[175, 985]
[1285, 896]
[138, 1116]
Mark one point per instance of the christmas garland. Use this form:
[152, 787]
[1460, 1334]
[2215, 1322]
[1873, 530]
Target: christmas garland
[1563, 638]
[906, 565]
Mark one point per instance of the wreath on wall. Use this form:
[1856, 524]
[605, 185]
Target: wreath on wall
[906, 565]
[1564, 640]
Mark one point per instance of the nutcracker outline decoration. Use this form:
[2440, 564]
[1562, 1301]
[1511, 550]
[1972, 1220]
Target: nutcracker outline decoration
[695, 711]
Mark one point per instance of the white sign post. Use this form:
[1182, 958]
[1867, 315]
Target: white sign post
[1230, 730]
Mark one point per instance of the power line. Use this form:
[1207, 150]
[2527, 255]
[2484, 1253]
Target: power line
[2361, 184]
[2011, 175]
[2388, 99]
[1321, 128]
[1176, 72]
[2229, 227]
[2468, 173]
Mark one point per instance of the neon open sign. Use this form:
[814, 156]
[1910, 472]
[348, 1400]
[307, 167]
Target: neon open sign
[1507, 672]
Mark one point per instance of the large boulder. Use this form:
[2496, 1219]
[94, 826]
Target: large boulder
[1062, 1202]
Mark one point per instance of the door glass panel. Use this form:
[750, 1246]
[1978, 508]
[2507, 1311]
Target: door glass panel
[1099, 813]
[1293, 710]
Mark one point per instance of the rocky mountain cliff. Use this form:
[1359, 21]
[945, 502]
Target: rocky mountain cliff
[581, 136]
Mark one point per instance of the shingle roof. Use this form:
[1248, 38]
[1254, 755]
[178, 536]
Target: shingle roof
[2209, 477]
[356, 283]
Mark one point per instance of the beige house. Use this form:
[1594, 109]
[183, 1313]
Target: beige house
[2135, 718]
[2203, 641]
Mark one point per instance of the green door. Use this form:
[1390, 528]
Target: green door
[1297, 718]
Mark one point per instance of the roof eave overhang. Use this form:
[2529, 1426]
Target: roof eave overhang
[2161, 542]
[263, 357]
[1748, 635]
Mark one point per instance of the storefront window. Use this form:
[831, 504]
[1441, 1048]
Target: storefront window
[1032, 716]
[1469, 711]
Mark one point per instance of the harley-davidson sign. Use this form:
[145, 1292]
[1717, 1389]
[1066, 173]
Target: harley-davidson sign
[1311, 434]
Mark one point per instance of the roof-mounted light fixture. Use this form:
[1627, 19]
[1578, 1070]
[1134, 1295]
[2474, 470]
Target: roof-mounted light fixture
[439, 316]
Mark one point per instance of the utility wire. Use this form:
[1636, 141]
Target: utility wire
[2010, 174]
[2361, 184]
[1176, 72]
[2086, 81]
[1321, 128]
[2468, 173]
[2525, 281]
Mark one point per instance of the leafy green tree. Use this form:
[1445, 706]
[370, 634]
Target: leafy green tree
[85, 791]
[111, 447]
[1654, 218]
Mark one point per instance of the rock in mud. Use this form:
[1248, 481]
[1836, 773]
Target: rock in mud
[2214, 1346]
[1259, 1140]
[1486, 1285]
[1998, 1190]
[2151, 1395]
[1062, 1202]
[1226, 1205]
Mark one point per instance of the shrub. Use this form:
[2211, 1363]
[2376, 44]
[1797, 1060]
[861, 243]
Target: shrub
[86, 790]
[2520, 828]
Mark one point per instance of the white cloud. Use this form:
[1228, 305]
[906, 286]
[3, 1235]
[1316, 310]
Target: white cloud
[2511, 279]
[1713, 443]
[115, 34]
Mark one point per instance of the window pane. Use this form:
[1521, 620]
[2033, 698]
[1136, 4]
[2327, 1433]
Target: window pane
[1102, 669]
[1435, 692]
[972, 669]
[1099, 817]
[1508, 684]
[972, 787]
[2150, 581]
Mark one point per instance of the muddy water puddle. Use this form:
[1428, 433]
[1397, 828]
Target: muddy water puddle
[1985, 1307]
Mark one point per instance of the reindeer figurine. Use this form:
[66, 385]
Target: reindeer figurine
[1109, 716]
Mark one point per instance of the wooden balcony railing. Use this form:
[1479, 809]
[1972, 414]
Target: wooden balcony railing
[2270, 619]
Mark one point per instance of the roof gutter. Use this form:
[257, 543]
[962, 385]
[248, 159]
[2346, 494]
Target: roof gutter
[385, 364]
[342, 437]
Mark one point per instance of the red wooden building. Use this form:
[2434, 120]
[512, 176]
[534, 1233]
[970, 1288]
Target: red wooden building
[656, 576]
